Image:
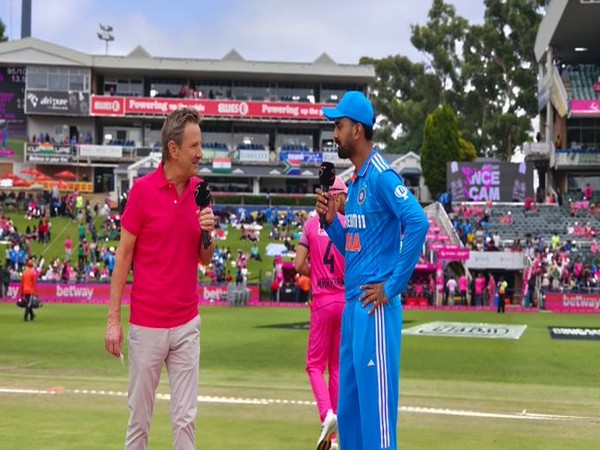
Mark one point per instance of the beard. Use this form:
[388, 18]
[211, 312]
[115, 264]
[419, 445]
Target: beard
[342, 152]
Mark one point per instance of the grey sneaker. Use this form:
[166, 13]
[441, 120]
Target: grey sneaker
[328, 429]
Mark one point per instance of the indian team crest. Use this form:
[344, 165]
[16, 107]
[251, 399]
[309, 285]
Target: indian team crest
[362, 195]
[401, 192]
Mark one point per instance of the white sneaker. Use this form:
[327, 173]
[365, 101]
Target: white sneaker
[334, 445]
[327, 430]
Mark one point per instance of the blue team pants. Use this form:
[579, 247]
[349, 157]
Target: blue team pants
[369, 370]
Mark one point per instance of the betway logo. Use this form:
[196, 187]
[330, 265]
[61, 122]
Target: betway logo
[578, 301]
[74, 292]
[214, 293]
[13, 292]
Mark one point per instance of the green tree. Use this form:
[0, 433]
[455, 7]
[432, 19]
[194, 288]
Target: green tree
[404, 94]
[500, 75]
[440, 40]
[466, 150]
[441, 144]
[3, 37]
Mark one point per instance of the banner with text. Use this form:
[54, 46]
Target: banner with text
[454, 254]
[469, 330]
[68, 103]
[100, 151]
[142, 106]
[573, 303]
[252, 155]
[585, 108]
[575, 158]
[496, 261]
[498, 181]
[301, 157]
[100, 293]
[575, 333]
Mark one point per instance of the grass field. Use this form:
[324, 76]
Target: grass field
[251, 354]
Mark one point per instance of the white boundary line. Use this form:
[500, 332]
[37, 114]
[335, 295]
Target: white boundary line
[524, 415]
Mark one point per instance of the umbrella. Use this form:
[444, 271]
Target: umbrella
[275, 249]
[31, 171]
[66, 174]
[12, 176]
[19, 182]
[64, 186]
[42, 177]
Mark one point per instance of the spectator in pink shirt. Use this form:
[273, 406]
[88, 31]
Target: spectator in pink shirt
[463, 285]
[479, 288]
[162, 235]
[588, 191]
[68, 248]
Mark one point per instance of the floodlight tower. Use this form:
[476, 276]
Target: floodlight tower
[106, 34]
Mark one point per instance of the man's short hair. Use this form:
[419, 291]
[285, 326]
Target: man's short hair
[174, 128]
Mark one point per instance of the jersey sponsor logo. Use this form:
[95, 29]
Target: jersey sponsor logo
[362, 195]
[356, 221]
[401, 192]
[331, 283]
[352, 242]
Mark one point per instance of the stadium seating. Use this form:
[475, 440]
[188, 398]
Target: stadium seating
[250, 147]
[581, 80]
[215, 146]
[549, 220]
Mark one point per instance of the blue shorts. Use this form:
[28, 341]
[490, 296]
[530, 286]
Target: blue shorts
[369, 371]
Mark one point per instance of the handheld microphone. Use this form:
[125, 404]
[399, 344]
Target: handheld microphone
[326, 178]
[203, 198]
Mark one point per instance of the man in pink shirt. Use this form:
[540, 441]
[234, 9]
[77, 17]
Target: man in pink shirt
[479, 288]
[463, 286]
[68, 247]
[326, 271]
[162, 235]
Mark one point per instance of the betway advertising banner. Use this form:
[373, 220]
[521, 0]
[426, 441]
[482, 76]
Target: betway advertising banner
[573, 303]
[497, 181]
[147, 106]
[100, 293]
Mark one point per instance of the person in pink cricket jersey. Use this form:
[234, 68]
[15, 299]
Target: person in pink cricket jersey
[326, 272]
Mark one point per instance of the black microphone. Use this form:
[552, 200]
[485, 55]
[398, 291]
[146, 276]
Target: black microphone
[203, 198]
[326, 178]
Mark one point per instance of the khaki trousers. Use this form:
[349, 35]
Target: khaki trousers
[149, 349]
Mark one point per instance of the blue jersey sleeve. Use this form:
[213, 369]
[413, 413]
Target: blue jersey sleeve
[414, 225]
[337, 234]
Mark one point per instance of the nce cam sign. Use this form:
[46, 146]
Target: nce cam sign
[482, 184]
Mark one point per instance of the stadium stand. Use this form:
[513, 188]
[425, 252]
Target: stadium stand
[580, 81]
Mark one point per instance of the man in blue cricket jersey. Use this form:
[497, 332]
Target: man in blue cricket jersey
[381, 242]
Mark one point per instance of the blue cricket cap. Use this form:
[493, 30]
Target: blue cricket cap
[353, 105]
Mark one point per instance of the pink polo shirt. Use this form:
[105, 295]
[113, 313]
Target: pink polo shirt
[165, 257]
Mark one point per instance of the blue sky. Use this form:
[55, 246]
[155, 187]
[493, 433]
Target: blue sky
[261, 30]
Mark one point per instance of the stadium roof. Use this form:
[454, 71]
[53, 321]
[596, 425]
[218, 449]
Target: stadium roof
[572, 29]
[32, 51]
